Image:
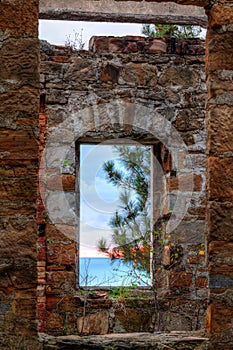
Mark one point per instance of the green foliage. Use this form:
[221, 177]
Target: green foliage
[50, 240]
[171, 31]
[119, 292]
[131, 222]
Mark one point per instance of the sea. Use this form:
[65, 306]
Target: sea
[104, 272]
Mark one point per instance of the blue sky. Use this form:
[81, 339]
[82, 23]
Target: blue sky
[98, 198]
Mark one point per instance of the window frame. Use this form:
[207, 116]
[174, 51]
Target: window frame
[155, 152]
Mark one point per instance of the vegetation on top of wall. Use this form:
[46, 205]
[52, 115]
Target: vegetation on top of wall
[75, 42]
[171, 31]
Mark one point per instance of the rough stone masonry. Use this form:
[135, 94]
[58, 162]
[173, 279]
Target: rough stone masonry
[19, 148]
[102, 94]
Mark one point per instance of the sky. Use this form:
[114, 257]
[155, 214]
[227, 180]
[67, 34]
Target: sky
[56, 32]
[98, 198]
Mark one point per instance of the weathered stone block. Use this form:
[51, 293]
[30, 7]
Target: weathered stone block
[177, 321]
[219, 51]
[18, 144]
[24, 271]
[220, 178]
[110, 73]
[59, 233]
[180, 279]
[55, 322]
[219, 319]
[219, 282]
[220, 15]
[220, 218]
[224, 296]
[61, 253]
[192, 232]
[20, 101]
[55, 115]
[98, 44]
[185, 183]
[221, 264]
[15, 56]
[156, 46]
[18, 18]
[25, 305]
[63, 280]
[191, 46]
[24, 240]
[220, 82]
[199, 212]
[61, 182]
[19, 189]
[179, 76]
[189, 120]
[139, 74]
[61, 207]
[133, 320]
[201, 282]
[94, 323]
[220, 129]
[80, 70]
[9, 207]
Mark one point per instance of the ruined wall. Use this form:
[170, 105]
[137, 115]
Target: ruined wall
[142, 11]
[124, 87]
[19, 104]
[219, 66]
[18, 25]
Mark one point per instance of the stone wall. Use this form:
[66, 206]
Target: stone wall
[123, 87]
[219, 173]
[142, 11]
[19, 88]
[18, 26]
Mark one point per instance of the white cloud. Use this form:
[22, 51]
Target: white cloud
[90, 236]
[56, 32]
[99, 199]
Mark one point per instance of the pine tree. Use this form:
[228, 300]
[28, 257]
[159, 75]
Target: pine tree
[131, 222]
[171, 31]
